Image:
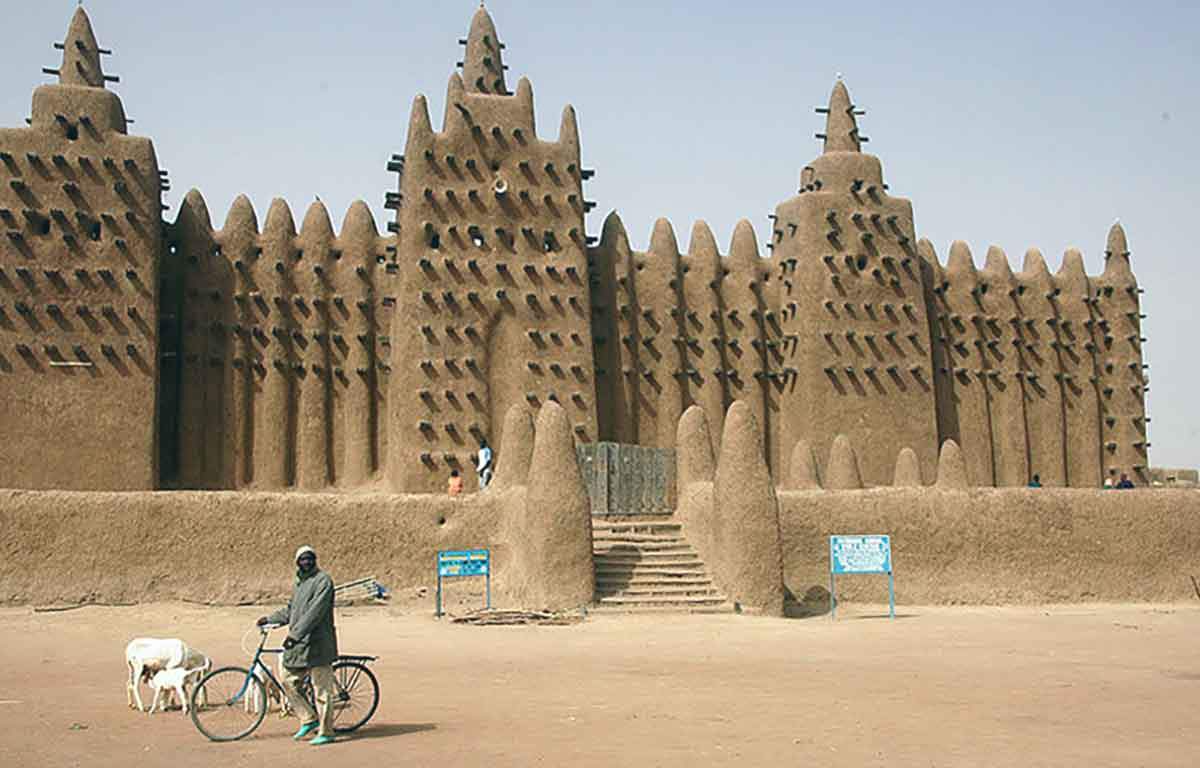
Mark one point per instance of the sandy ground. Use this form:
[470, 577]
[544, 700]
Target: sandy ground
[1058, 686]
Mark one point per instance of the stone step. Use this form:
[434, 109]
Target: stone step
[640, 591]
[647, 567]
[628, 579]
[650, 529]
[684, 556]
[617, 546]
[636, 538]
[664, 601]
[657, 609]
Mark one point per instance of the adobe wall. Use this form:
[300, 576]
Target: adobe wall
[994, 546]
[277, 374]
[59, 546]
[687, 329]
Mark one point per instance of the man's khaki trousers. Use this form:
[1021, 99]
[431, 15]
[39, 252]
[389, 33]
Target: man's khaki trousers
[324, 687]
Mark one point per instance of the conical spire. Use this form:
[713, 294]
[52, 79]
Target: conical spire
[81, 54]
[662, 239]
[960, 264]
[1118, 245]
[1116, 255]
[613, 232]
[743, 249]
[420, 127]
[996, 264]
[359, 222]
[841, 129]
[483, 65]
[1034, 265]
[241, 216]
[568, 130]
[703, 245]
[1072, 275]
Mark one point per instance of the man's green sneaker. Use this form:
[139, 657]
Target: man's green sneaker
[321, 740]
[305, 729]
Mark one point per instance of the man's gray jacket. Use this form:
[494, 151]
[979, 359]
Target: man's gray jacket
[309, 616]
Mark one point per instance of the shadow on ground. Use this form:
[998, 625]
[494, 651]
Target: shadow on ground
[385, 730]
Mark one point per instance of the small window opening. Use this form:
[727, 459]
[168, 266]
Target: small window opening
[861, 263]
[93, 230]
[435, 241]
[41, 225]
[548, 242]
[72, 132]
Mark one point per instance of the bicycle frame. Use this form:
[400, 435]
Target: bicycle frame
[256, 662]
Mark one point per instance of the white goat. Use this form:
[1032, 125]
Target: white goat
[146, 655]
[176, 680]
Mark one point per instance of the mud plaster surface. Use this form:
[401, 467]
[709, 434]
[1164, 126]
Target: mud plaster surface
[991, 546]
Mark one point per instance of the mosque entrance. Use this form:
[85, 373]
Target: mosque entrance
[628, 479]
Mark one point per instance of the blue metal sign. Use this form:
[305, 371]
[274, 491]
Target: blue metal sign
[460, 563]
[473, 562]
[860, 554]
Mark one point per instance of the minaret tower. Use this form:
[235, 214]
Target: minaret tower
[857, 348]
[1117, 316]
[494, 308]
[80, 207]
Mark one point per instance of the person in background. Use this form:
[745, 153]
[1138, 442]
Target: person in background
[454, 486]
[1036, 482]
[1124, 483]
[483, 464]
[1108, 484]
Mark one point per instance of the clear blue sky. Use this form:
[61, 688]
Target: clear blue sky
[1019, 124]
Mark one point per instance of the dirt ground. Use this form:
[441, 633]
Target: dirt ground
[1095, 685]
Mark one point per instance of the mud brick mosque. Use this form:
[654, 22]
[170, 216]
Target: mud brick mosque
[138, 353]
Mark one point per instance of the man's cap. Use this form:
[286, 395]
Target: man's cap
[305, 550]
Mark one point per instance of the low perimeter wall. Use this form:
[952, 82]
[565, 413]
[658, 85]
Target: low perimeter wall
[992, 546]
[61, 546]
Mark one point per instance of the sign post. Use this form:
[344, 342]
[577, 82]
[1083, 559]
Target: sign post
[860, 554]
[462, 563]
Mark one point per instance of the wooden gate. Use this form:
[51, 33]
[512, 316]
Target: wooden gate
[628, 479]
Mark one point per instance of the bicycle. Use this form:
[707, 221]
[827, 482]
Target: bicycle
[230, 703]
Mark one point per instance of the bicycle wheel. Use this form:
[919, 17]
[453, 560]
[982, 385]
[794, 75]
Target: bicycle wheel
[356, 696]
[228, 704]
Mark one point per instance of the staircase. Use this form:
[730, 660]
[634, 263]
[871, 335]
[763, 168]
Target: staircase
[648, 567]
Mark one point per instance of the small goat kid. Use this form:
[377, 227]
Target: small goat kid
[176, 680]
[146, 655]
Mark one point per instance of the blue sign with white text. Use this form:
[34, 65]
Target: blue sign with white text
[463, 562]
[473, 562]
[860, 554]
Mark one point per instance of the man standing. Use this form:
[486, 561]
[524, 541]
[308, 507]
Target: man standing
[483, 464]
[310, 647]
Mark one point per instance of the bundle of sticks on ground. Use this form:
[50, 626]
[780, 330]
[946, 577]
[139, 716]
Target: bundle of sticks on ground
[488, 617]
